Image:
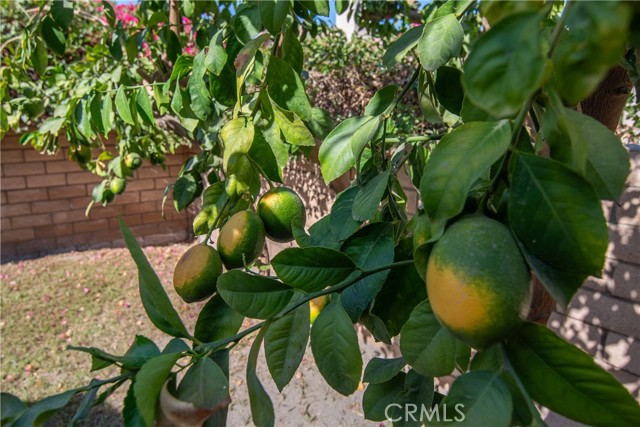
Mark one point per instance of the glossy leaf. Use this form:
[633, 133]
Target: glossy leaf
[426, 345]
[371, 247]
[377, 397]
[441, 40]
[568, 381]
[43, 409]
[259, 400]
[217, 321]
[334, 344]
[341, 220]
[286, 88]
[469, 150]
[53, 36]
[479, 398]
[270, 154]
[273, 14]
[247, 23]
[294, 130]
[10, 407]
[558, 216]
[312, 269]
[198, 92]
[292, 51]
[448, 87]
[335, 155]
[62, 12]
[237, 136]
[365, 204]
[381, 370]
[154, 298]
[256, 297]
[122, 106]
[285, 343]
[365, 134]
[506, 65]
[149, 382]
[399, 48]
[381, 101]
[216, 57]
[143, 106]
[204, 385]
[39, 57]
[184, 191]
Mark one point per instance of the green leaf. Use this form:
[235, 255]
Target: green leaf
[365, 134]
[237, 136]
[130, 413]
[568, 381]
[319, 235]
[204, 385]
[448, 88]
[43, 409]
[154, 299]
[216, 57]
[377, 397]
[62, 12]
[312, 269]
[246, 55]
[84, 409]
[594, 42]
[371, 247]
[39, 57]
[102, 112]
[506, 65]
[441, 40]
[400, 293]
[143, 106]
[175, 345]
[201, 104]
[365, 204]
[381, 101]
[10, 407]
[247, 23]
[565, 141]
[53, 36]
[141, 350]
[285, 343]
[181, 105]
[321, 123]
[334, 344]
[335, 155]
[181, 67]
[342, 223]
[399, 48]
[259, 400]
[557, 215]
[381, 370]
[294, 130]
[470, 150]
[286, 88]
[273, 14]
[480, 399]
[292, 51]
[217, 321]
[184, 192]
[271, 154]
[426, 345]
[149, 382]
[122, 106]
[418, 391]
[318, 7]
[256, 297]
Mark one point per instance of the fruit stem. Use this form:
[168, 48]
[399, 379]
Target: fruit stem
[261, 171]
[215, 222]
[215, 345]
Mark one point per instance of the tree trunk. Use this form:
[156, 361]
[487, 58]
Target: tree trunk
[174, 16]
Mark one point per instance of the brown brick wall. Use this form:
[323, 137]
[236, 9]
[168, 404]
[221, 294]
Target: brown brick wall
[43, 201]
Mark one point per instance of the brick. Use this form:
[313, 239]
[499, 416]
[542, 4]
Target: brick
[152, 196]
[90, 226]
[38, 181]
[8, 252]
[608, 211]
[585, 336]
[161, 183]
[11, 156]
[633, 180]
[108, 211]
[5, 224]
[628, 211]
[130, 220]
[74, 240]
[81, 203]
[626, 278]
[30, 221]
[68, 191]
[601, 310]
[19, 169]
[624, 241]
[151, 172]
[16, 236]
[3, 197]
[68, 216]
[50, 206]
[62, 166]
[144, 230]
[9, 210]
[31, 195]
[36, 246]
[13, 183]
[141, 207]
[31, 155]
[140, 184]
[54, 230]
[165, 239]
[82, 178]
[620, 351]
[128, 196]
[172, 226]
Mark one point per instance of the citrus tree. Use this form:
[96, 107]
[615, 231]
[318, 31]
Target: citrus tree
[510, 189]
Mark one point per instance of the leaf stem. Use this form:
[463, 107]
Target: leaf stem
[404, 91]
[557, 31]
[215, 222]
[415, 139]
[261, 171]
[215, 345]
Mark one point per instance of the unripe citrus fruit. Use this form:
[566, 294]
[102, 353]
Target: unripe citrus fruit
[196, 273]
[279, 208]
[133, 161]
[117, 185]
[316, 305]
[478, 282]
[241, 239]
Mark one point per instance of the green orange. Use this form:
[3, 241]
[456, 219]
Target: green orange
[316, 305]
[196, 273]
[279, 208]
[117, 185]
[133, 161]
[478, 282]
[241, 239]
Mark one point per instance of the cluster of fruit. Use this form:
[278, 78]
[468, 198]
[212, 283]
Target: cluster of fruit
[240, 243]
